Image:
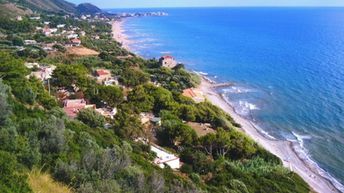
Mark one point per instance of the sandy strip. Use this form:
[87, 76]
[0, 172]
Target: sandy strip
[283, 149]
[118, 34]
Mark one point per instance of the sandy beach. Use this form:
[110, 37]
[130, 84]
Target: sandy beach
[118, 35]
[283, 149]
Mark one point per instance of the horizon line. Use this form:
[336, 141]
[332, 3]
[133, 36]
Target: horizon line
[234, 6]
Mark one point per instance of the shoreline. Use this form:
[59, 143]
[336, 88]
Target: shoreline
[283, 149]
[119, 35]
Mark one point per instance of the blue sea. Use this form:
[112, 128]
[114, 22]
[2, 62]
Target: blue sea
[287, 65]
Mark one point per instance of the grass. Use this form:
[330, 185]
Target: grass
[43, 183]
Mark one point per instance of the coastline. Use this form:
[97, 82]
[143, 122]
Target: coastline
[283, 149]
[119, 35]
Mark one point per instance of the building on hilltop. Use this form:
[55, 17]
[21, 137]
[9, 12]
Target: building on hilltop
[167, 61]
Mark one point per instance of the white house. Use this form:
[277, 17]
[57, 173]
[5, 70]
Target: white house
[61, 25]
[30, 42]
[71, 36]
[165, 158]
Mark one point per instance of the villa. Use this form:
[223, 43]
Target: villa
[164, 158]
[103, 75]
[73, 106]
[167, 61]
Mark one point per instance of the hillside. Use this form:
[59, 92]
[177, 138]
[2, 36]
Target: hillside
[24, 7]
[87, 8]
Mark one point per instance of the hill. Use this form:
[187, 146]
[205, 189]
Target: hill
[88, 8]
[24, 7]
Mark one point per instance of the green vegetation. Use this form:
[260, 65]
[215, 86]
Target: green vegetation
[84, 155]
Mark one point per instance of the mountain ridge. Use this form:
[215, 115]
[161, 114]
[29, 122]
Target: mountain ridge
[50, 6]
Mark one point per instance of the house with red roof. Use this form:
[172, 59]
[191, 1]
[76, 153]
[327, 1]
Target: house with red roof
[72, 106]
[75, 42]
[102, 75]
[167, 61]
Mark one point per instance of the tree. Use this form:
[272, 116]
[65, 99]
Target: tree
[4, 106]
[174, 133]
[127, 123]
[11, 68]
[163, 99]
[51, 135]
[231, 143]
[59, 48]
[141, 99]
[91, 118]
[218, 143]
[11, 180]
[133, 77]
[68, 75]
[110, 95]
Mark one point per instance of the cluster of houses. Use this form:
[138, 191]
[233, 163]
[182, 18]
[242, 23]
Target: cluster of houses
[73, 106]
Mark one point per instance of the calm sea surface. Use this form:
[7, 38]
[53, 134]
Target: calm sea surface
[287, 65]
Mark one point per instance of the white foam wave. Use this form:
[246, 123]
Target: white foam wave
[302, 152]
[248, 105]
[263, 132]
[236, 90]
[244, 108]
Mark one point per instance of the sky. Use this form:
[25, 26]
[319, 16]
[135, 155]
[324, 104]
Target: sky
[206, 3]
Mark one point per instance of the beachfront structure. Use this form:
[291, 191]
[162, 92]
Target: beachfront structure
[167, 61]
[103, 75]
[164, 158]
[195, 94]
[73, 106]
